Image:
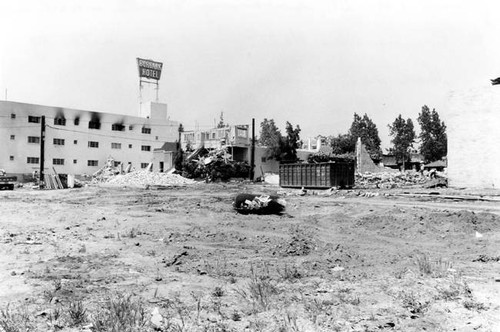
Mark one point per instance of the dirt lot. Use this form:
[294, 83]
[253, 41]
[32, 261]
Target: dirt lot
[181, 259]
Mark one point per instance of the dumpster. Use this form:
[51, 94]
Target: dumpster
[322, 175]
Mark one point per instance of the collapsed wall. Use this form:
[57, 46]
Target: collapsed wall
[473, 123]
[364, 162]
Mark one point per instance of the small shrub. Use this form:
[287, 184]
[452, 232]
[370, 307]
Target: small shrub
[259, 291]
[218, 292]
[415, 305]
[121, 313]
[289, 273]
[77, 313]
[474, 305]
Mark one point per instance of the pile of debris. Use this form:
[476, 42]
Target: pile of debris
[213, 165]
[400, 180]
[258, 204]
[110, 170]
[146, 178]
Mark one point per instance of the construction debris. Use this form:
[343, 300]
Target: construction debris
[259, 204]
[213, 165]
[400, 179]
[108, 171]
[144, 178]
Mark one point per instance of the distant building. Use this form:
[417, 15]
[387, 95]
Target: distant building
[78, 141]
[236, 138]
[416, 162]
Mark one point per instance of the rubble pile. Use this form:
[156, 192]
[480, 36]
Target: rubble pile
[259, 204]
[400, 179]
[214, 165]
[146, 178]
[108, 171]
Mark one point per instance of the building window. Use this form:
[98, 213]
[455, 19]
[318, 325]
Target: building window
[92, 163]
[58, 141]
[144, 165]
[156, 137]
[12, 137]
[145, 147]
[33, 160]
[75, 141]
[146, 130]
[263, 159]
[11, 157]
[93, 144]
[33, 119]
[117, 163]
[94, 125]
[117, 127]
[34, 139]
[12, 116]
[116, 145]
[130, 146]
[57, 161]
[60, 121]
[74, 161]
[77, 121]
[130, 127]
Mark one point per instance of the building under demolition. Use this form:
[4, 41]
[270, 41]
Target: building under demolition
[80, 142]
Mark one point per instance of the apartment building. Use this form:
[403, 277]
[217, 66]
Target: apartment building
[78, 141]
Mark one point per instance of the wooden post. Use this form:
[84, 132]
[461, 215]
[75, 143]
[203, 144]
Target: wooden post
[42, 151]
[252, 151]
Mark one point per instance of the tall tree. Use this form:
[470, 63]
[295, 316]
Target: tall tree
[433, 136]
[404, 135]
[365, 128]
[270, 136]
[290, 143]
[343, 144]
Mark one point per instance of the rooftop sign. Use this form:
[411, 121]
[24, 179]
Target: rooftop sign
[149, 68]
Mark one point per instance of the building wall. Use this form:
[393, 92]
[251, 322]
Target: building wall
[76, 152]
[473, 123]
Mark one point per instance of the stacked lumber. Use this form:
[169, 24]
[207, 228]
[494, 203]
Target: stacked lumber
[145, 178]
[52, 181]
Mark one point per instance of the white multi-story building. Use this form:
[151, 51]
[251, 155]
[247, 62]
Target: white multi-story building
[80, 142]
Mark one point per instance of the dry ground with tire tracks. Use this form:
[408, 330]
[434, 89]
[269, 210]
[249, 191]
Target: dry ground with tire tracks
[181, 259]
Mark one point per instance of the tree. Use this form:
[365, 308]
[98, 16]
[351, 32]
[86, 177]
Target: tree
[404, 135]
[365, 128]
[343, 144]
[270, 136]
[290, 143]
[433, 136]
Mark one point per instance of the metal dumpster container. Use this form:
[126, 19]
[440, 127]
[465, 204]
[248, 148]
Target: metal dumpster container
[322, 175]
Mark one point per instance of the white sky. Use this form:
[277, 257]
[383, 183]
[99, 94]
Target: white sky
[313, 63]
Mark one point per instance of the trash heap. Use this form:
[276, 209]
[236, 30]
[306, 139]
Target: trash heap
[214, 165]
[258, 204]
[146, 178]
[400, 180]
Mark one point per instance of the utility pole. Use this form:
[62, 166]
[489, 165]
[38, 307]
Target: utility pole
[42, 150]
[252, 150]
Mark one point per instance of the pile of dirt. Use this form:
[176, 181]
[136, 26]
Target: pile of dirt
[108, 171]
[145, 178]
[400, 179]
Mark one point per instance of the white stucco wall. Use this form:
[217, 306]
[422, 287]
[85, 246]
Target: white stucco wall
[473, 126]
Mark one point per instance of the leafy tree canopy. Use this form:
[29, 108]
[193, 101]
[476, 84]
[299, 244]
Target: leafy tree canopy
[365, 128]
[403, 135]
[432, 135]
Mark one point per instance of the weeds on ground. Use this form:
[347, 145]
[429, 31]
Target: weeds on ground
[437, 269]
[289, 273]
[217, 267]
[14, 322]
[260, 291]
[472, 304]
[413, 302]
[77, 313]
[121, 313]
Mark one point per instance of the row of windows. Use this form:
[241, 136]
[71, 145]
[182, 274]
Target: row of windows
[60, 161]
[60, 121]
[91, 144]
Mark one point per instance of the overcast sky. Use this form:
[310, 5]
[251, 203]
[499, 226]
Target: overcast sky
[313, 63]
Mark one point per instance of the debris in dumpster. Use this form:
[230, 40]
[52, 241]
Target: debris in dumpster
[259, 204]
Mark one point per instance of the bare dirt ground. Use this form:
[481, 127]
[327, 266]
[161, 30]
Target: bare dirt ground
[181, 259]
